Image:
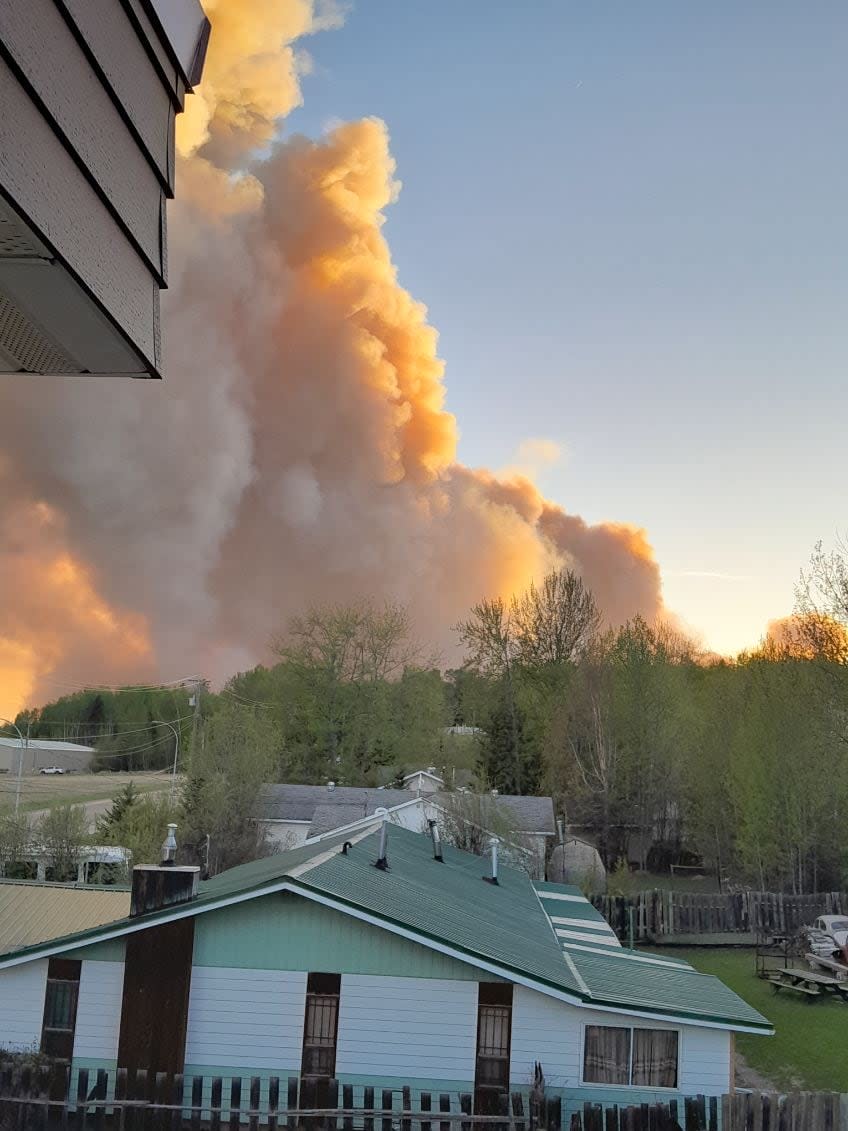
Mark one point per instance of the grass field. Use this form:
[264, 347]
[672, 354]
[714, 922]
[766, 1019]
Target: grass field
[39, 792]
[810, 1047]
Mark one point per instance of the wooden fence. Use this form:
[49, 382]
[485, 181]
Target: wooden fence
[743, 1111]
[51, 1099]
[656, 914]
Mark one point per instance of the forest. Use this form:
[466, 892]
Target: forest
[661, 753]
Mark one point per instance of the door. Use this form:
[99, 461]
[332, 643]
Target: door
[494, 1035]
[320, 1032]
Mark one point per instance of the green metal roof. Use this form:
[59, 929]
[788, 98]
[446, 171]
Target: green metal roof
[450, 905]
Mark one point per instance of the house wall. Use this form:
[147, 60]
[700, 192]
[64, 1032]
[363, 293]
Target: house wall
[285, 834]
[546, 1031]
[22, 1005]
[437, 1018]
[408, 1015]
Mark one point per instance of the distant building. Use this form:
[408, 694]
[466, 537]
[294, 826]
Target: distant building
[301, 814]
[39, 753]
[32, 913]
[90, 861]
[89, 93]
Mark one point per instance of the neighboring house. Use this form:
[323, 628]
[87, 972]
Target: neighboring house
[424, 781]
[89, 93]
[297, 814]
[36, 753]
[389, 969]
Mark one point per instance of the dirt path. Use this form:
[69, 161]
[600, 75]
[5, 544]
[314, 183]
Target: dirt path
[749, 1078]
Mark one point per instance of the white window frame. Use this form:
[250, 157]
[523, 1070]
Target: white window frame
[626, 1023]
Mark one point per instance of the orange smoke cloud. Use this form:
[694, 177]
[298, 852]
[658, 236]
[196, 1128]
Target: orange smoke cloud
[52, 610]
[299, 450]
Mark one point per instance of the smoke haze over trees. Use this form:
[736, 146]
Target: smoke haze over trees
[652, 749]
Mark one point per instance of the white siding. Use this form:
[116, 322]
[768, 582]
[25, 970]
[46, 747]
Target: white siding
[251, 1019]
[705, 1066]
[552, 1033]
[22, 1005]
[547, 1031]
[99, 1010]
[424, 1028]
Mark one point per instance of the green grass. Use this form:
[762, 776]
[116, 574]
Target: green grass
[810, 1047]
[635, 882]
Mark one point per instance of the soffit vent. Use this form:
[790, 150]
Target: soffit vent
[15, 241]
[27, 345]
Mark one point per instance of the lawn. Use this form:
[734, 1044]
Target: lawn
[43, 792]
[810, 1047]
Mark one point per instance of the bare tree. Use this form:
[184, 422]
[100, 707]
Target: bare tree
[556, 622]
[823, 587]
[490, 640]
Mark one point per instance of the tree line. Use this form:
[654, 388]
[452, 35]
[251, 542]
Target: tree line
[656, 752]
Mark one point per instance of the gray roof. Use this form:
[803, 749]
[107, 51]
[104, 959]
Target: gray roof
[299, 802]
[317, 803]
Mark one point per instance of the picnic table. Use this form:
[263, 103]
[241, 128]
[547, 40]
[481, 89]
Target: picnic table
[809, 982]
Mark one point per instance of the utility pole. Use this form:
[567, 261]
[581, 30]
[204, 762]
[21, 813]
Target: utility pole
[24, 744]
[197, 721]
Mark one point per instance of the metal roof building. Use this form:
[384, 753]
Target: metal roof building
[89, 90]
[32, 913]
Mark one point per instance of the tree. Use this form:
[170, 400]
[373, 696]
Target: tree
[217, 811]
[508, 759]
[15, 837]
[62, 832]
[122, 803]
[490, 640]
[142, 827]
[555, 623]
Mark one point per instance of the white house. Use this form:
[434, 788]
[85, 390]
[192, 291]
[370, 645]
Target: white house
[377, 959]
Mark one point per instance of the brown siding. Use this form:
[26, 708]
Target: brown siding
[154, 1012]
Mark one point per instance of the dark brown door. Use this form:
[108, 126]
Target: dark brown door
[494, 1034]
[320, 1032]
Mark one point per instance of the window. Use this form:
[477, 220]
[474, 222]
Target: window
[494, 1024]
[645, 1058]
[60, 1008]
[321, 1025]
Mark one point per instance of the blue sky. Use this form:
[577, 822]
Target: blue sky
[628, 223]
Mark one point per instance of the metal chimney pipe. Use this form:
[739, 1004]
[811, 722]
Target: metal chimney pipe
[437, 841]
[382, 861]
[169, 848]
[560, 831]
[493, 845]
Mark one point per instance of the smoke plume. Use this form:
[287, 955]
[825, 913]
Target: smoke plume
[298, 450]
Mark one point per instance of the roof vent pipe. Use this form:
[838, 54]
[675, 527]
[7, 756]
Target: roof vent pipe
[493, 847]
[331, 785]
[494, 793]
[169, 848]
[437, 841]
[382, 862]
[560, 831]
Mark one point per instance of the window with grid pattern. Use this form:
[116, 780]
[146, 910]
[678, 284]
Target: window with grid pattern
[321, 1025]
